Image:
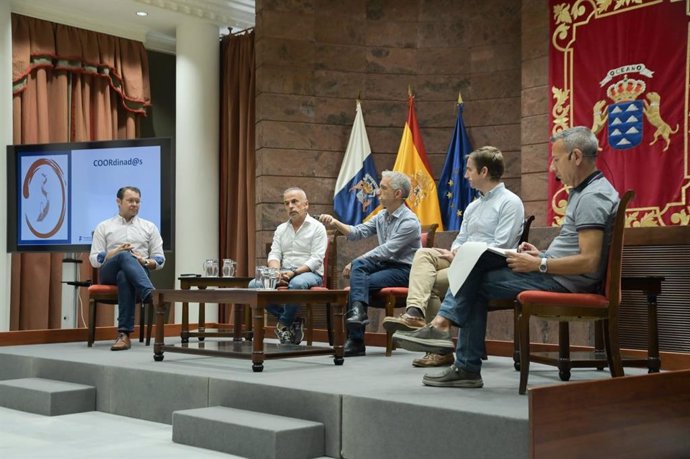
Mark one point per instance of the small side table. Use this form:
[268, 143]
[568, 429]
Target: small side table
[187, 282]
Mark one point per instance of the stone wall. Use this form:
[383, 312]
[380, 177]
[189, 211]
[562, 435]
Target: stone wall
[315, 57]
[535, 108]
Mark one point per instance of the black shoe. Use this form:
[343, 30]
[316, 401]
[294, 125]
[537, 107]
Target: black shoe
[354, 348]
[358, 314]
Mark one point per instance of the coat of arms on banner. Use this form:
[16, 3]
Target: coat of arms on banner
[366, 190]
[622, 67]
[626, 113]
[421, 188]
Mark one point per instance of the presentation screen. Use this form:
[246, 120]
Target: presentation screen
[58, 193]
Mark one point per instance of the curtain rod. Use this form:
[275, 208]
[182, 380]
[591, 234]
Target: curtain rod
[240, 32]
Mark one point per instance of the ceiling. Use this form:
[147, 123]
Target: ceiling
[156, 31]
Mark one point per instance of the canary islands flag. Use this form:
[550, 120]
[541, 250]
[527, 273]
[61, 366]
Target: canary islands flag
[413, 161]
[454, 192]
[356, 190]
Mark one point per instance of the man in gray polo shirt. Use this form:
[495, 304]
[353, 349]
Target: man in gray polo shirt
[574, 262]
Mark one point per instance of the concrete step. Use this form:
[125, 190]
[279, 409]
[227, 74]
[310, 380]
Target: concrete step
[46, 396]
[248, 433]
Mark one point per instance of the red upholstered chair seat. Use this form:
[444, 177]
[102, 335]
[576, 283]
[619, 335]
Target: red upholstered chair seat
[584, 300]
[101, 289]
[398, 291]
[107, 294]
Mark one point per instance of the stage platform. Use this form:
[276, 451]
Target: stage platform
[371, 407]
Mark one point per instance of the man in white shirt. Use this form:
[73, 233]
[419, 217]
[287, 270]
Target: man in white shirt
[298, 249]
[125, 248]
[496, 217]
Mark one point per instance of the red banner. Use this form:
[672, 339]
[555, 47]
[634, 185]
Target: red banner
[622, 67]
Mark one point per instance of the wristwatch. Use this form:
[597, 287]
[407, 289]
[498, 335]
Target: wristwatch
[542, 266]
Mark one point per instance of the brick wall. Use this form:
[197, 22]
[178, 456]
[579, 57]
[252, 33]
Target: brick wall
[314, 57]
[535, 108]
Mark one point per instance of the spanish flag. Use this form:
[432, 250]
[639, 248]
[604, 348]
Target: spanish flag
[412, 160]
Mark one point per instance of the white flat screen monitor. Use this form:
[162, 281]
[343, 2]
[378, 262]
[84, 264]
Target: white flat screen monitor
[58, 193]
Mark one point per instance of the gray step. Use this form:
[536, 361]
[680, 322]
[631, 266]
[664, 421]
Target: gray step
[46, 396]
[248, 433]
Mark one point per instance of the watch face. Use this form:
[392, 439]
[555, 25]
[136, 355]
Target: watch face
[542, 266]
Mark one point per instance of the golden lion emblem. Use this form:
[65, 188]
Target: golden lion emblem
[652, 111]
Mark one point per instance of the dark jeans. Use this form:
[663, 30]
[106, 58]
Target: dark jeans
[132, 281]
[368, 276]
[490, 279]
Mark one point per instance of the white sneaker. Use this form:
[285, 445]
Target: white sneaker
[284, 335]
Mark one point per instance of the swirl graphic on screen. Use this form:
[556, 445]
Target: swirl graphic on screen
[47, 171]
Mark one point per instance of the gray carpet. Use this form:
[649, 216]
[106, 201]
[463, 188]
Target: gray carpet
[369, 406]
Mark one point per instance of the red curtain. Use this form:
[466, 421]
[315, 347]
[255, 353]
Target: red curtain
[237, 154]
[69, 84]
[622, 68]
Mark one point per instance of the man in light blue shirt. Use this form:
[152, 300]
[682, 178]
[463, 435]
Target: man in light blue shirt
[125, 248]
[495, 218]
[388, 265]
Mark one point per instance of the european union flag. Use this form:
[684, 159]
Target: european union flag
[454, 192]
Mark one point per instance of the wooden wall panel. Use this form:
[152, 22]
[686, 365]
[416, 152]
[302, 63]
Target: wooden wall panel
[633, 417]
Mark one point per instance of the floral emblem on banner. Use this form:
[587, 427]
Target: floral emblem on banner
[366, 190]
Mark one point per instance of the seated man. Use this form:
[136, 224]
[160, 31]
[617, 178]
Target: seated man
[298, 248]
[125, 248]
[574, 262]
[387, 265]
[496, 218]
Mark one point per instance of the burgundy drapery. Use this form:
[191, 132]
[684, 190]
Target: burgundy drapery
[237, 162]
[69, 85]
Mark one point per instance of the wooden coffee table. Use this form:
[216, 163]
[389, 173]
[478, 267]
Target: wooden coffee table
[186, 283]
[257, 300]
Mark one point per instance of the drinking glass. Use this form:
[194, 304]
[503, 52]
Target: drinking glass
[210, 268]
[228, 267]
[261, 273]
[271, 278]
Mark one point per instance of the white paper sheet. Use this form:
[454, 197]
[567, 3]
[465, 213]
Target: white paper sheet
[465, 259]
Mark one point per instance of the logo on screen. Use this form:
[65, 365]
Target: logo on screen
[45, 198]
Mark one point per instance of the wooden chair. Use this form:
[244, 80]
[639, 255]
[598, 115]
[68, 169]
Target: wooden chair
[328, 266]
[395, 297]
[567, 307]
[506, 304]
[107, 294]
[328, 279]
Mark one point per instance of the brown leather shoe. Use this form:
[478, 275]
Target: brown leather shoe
[403, 322]
[122, 343]
[434, 360]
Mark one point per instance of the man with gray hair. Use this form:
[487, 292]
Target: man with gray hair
[298, 249]
[574, 262]
[388, 265]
